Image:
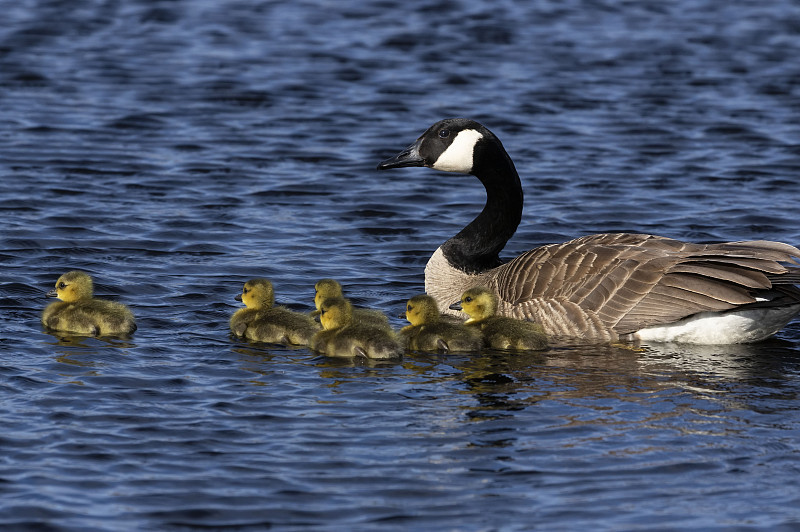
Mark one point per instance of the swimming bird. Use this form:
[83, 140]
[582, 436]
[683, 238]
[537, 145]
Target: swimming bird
[78, 312]
[428, 332]
[499, 332]
[602, 287]
[344, 336]
[262, 321]
[329, 288]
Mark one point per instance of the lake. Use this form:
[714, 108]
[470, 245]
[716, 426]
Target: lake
[175, 150]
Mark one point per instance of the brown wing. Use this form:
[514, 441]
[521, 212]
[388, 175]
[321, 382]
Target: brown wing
[626, 282]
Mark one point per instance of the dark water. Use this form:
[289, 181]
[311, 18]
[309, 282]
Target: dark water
[176, 149]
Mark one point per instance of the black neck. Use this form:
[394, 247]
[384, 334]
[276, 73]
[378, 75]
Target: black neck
[477, 247]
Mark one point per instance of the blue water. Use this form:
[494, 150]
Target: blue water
[176, 149]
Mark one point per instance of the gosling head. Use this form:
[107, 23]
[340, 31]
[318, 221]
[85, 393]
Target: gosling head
[73, 286]
[257, 294]
[479, 302]
[335, 312]
[422, 309]
[324, 289]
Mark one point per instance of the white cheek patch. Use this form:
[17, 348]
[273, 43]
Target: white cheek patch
[458, 156]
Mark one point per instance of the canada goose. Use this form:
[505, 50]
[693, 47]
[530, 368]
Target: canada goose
[601, 287]
[428, 332]
[329, 288]
[261, 321]
[343, 336]
[499, 332]
[78, 312]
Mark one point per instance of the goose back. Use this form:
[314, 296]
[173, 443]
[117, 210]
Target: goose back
[610, 285]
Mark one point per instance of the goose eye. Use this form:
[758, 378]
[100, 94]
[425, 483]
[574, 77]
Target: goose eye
[467, 299]
[444, 133]
[408, 308]
[62, 285]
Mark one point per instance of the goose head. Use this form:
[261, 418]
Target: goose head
[451, 145]
[73, 286]
[257, 294]
[464, 146]
[422, 309]
[479, 302]
[335, 312]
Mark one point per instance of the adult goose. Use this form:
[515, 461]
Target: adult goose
[604, 287]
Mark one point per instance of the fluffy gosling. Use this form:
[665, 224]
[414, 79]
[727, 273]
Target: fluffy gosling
[345, 336]
[330, 288]
[429, 332]
[261, 321]
[78, 312]
[499, 332]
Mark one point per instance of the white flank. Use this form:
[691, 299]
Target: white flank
[458, 156]
[740, 327]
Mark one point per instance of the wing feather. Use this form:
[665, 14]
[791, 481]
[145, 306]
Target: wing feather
[724, 272]
[628, 281]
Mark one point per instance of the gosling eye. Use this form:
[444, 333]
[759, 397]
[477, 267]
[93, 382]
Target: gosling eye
[62, 284]
[245, 290]
[468, 299]
[408, 308]
[444, 133]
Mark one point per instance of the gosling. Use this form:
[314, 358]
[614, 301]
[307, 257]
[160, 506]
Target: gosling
[261, 321]
[329, 288]
[79, 313]
[344, 336]
[499, 332]
[428, 332]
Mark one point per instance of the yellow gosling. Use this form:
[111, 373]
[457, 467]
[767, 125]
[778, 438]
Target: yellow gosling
[499, 332]
[78, 312]
[429, 332]
[262, 321]
[330, 288]
[345, 336]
